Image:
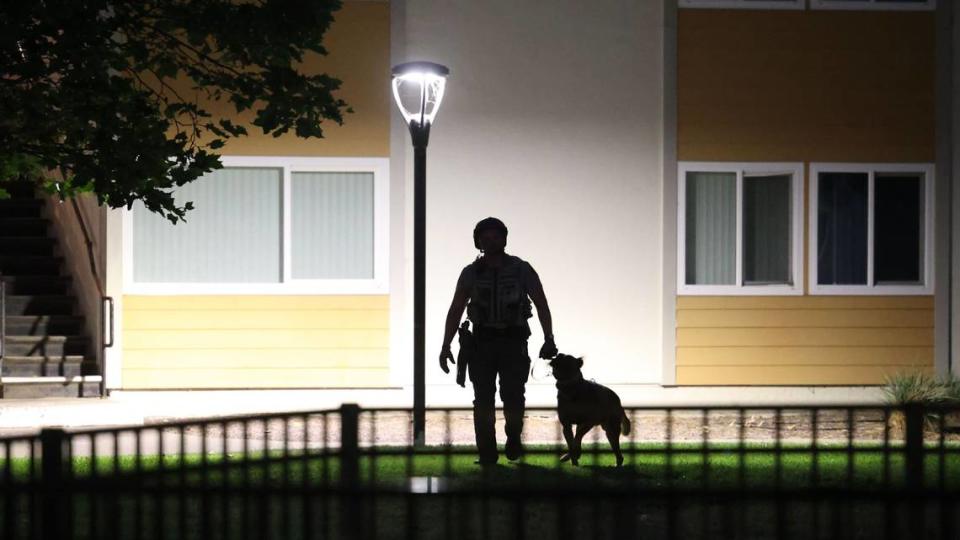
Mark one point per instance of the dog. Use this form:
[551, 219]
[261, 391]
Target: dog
[586, 404]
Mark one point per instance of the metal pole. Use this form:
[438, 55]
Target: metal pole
[419, 287]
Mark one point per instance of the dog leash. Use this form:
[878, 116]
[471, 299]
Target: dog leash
[539, 369]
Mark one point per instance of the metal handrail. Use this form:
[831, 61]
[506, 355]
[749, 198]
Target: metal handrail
[106, 344]
[109, 300]
[3, 320]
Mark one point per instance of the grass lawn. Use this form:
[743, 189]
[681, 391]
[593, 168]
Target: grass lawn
[684, 466]
[266, 496]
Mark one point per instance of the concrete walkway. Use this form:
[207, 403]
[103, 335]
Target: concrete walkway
[127, 408]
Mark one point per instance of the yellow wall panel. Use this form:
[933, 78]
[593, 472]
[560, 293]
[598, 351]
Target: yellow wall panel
[804, 337]
[255, 302]
[803, 356]
[805, 85]
[245, 339]
[804, 302]
[805, 318]
[791, 375]
[358, 43]
[219, 341]
[251, 358]
[823, 340]
[255, 320]
[257, 378]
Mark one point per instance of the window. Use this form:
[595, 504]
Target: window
[740, 228]
[871, 229]
[267, 225]
[743, 4]
[874, 4]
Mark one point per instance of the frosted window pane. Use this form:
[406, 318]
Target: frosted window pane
[233, 234]
[711, 222]
[332, 225]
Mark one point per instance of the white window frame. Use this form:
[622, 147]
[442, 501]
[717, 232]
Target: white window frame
[796, 237]
[870, 169]
[379, 284]
[742, 4]
[873, 5]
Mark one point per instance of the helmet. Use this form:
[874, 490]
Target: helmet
[486, 224]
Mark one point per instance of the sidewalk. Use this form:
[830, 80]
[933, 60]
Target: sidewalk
[127, 408]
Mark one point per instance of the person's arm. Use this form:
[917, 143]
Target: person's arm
[457, 305]
[453, 316]
[539, 298]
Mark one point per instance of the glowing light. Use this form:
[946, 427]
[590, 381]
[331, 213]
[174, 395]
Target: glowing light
[418, 90]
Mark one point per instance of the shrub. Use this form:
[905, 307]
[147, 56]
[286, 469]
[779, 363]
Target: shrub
[925, 390]
[918, 388]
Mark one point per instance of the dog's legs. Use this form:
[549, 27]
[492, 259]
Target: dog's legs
[582, 430]
[568, 435]
[612, 429]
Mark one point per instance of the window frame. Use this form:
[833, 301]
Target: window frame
[872, 5]
[379, 284]
[795, 169]
[871, 288]
[742, 4]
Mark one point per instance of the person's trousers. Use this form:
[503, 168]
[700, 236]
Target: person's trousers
[507, 358]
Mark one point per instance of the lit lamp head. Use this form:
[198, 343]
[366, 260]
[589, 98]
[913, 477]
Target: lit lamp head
[418, 90]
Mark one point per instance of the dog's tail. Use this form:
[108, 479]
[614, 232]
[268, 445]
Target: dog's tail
[624, 423]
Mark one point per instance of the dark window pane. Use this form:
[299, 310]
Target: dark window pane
[842, 229]
[898, 229]
[766, 229]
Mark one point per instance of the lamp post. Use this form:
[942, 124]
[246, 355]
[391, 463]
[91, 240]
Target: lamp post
[418, 89]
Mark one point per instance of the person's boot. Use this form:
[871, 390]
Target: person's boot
[514, 429]
[484, 427]
[514, 448]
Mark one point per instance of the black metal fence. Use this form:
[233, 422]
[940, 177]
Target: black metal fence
[757, 472]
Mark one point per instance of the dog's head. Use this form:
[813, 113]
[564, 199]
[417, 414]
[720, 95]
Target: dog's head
[566, 367]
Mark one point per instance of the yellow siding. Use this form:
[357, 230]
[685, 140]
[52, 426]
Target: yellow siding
[358, 43]
[797, 340]
[807, 85]
[255, 341]
[798, 375]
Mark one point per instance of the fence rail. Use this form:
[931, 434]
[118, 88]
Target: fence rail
[689, 472]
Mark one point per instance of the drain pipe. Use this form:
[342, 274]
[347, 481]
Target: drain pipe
[3, 328]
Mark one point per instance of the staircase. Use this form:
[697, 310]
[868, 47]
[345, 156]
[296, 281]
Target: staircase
[45, 351]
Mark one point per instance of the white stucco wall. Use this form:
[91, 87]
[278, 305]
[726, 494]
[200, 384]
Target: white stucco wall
[551, 122]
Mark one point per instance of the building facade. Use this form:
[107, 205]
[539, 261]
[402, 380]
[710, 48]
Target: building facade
[713, 193]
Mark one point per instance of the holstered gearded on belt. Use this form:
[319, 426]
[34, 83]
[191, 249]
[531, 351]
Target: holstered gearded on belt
[467, 352]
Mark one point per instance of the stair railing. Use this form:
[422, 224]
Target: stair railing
[104, 299]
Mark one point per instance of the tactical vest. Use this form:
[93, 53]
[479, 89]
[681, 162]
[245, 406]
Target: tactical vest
[498, 298]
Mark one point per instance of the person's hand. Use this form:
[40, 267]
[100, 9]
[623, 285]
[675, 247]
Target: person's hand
[445, 356]
[549, 349]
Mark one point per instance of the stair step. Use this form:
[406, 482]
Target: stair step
[41, 325]
[46, 346]
[10, 226]
[39, 304]
[27, 245]
[29, 285]
[30, 265]
[24, 208]
[41, 366]
[44, 387]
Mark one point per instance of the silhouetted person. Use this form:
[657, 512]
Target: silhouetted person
[499, 288]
